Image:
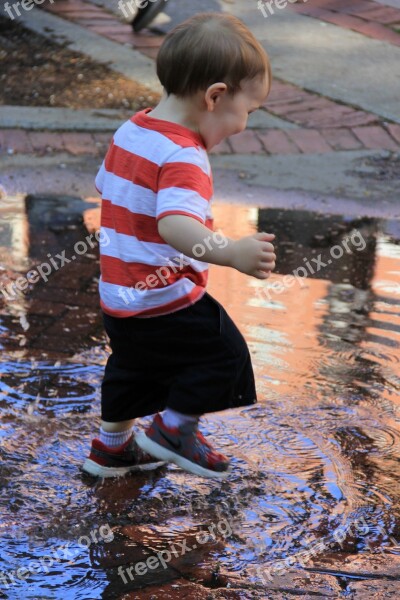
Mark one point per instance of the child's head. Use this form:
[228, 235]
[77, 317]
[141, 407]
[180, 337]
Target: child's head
[213, 63]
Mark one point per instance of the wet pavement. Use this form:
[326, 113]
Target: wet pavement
[312, 506]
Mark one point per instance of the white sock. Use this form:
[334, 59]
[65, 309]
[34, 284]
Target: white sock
[114, 439]
[172, 418]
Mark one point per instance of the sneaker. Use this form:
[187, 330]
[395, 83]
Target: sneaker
[104, 461]
[185, 446]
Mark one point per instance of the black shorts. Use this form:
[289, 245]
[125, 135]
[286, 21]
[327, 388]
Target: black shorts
[194, 360]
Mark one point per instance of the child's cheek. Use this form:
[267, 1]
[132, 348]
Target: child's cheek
[237, 124]
[241, 125]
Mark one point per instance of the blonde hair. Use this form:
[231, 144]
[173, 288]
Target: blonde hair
[208, 48]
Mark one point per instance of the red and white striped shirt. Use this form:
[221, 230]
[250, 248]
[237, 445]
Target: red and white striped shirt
[153, 168]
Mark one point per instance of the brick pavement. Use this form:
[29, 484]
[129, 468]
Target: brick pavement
[364, 16]
[104, 23]
[323, 124]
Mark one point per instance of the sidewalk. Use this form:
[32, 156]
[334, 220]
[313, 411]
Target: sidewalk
[296, 120]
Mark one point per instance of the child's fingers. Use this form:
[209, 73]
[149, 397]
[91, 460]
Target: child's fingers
[260, 274]
[266, 266]
[263, 235]
[267, 247]
[268, 255]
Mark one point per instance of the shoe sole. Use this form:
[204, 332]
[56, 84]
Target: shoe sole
[91, 467]
[163, 453]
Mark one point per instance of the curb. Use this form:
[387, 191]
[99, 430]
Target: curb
[62, 119]
[46, 118]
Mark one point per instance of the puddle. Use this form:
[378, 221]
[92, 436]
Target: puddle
[316, 461]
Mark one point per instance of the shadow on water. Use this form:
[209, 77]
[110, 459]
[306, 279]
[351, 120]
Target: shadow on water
[316, 461]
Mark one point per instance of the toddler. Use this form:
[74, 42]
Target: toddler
[176, 354]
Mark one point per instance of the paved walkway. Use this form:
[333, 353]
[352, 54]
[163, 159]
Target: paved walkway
[294, 120]
[364, 16]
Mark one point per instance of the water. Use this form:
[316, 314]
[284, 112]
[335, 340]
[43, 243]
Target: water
[315, 461]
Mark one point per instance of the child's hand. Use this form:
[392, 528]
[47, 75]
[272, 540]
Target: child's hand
[254, 255]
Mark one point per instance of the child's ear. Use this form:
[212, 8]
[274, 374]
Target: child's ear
[213, 95]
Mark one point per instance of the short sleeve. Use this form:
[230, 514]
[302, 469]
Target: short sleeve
[99, 180]
[185, 186]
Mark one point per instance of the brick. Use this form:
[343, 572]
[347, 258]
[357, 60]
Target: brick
[298, 7]
[344, 5]
[17, 140]
[222, 148]
[104, 139]
[363, 8]
[394, 131]
[302, 8]
[375, 137]
[341, 139]
[73, 7]
[315, 12]
[359, 5]
[312, 103]
[337, 115]
[379, 32]
[147, 41]
[79, 143]
[309, 141]
[374, 30]
[382, 14]
[62, 6]
[286, 108]
[285, 92]
[344, 20]
[246, 142]
[275, 141]
[41, 141]
[3, 140]
[150, 52]
[77, 15]
[327, 117]
[357, 118]
[283, 96]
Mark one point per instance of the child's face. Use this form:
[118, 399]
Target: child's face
[226, 114]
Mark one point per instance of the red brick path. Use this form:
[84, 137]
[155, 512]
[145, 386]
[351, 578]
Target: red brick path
[364, 16]
[17, 141]
[260, 141]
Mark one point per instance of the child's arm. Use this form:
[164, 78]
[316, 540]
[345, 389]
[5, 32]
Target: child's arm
[253, 255]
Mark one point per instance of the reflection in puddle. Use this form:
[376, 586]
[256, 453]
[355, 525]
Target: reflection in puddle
[319, 451]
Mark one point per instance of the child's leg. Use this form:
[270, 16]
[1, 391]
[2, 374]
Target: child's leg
[129, 390]
[115, 434]
[212, 372]
[117, 427]
[173, 418]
